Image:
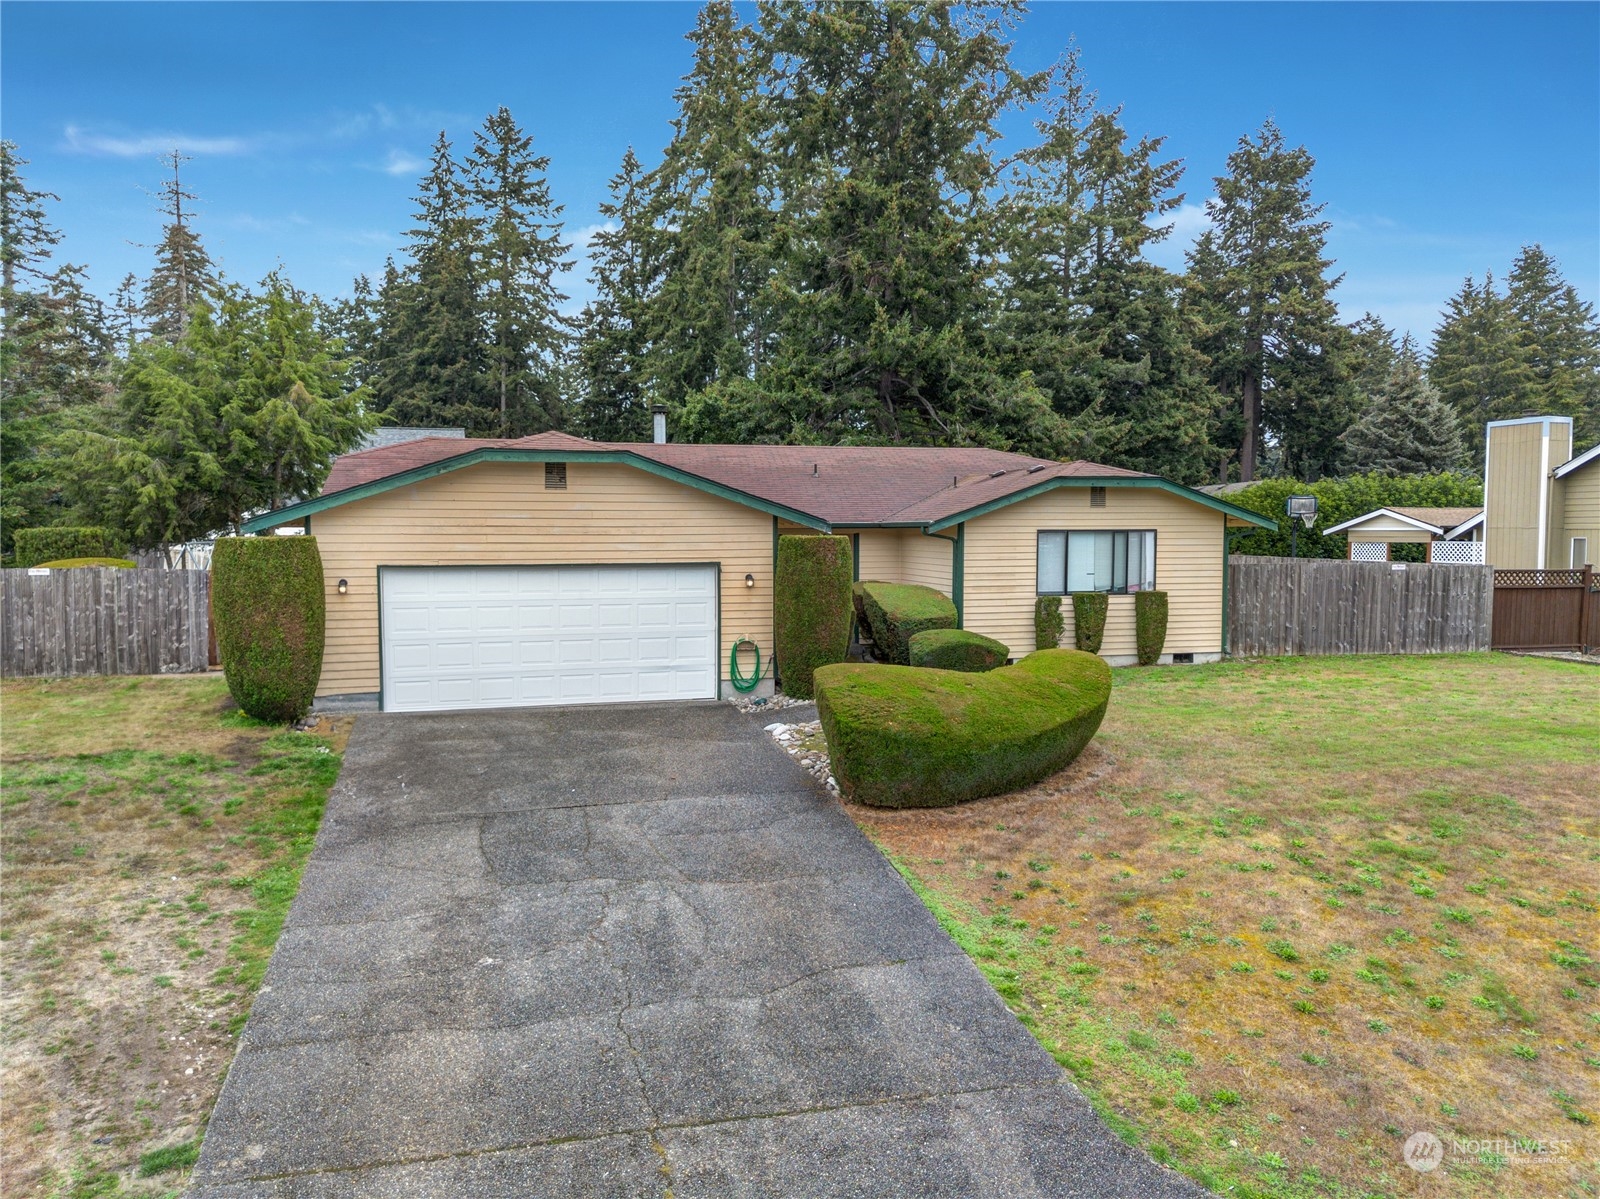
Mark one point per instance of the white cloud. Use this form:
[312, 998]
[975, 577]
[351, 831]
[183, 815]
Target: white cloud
[400, 162]
[82, 141]
[1188, 222]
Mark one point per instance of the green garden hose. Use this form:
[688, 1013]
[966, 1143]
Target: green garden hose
[743, 683]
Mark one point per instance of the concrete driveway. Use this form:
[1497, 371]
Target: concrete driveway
[627, 951]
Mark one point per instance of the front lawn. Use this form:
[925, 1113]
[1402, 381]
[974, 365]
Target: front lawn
[152, 841]
[1283, 914]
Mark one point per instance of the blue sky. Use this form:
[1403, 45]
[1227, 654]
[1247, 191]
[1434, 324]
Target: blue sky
[1446, 135]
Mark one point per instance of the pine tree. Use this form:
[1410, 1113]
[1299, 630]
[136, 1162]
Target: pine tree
[1557, 340]
[1095, 323]
[1260, 287]
[245, 412]
[1407, 428]
[431, 365]
[613, 342]
[520, 253]
[1374, 350]
[183, 274]
[127, 319]
[884, 121]
[1478, 364]
[26, 236]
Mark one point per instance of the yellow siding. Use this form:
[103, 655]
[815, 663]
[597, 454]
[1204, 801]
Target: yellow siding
[1580, 513]
[927, 560]
[1001, 567]
[499, 513]
[882, 555]
[1516, 479]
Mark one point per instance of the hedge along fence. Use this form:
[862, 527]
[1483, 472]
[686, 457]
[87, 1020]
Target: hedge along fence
[37, 546]
[1149, 625]
[1089, 619]
[896, 612]
[957, 649]
[810, 608]
[271, 616]
[908, 738]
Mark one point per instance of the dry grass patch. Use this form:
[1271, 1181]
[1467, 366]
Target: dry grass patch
[152, 840]
[1282, 914]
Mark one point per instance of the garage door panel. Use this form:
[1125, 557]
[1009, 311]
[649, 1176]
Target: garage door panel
[466, 637]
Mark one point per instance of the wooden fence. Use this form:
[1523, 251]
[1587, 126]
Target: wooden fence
[104, 620]
[1279, 606]
[1546, 609]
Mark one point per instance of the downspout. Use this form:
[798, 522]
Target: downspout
[958, 569]
[1544, 494]
[1227, 536]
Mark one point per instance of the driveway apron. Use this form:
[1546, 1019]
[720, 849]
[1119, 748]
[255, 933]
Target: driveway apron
[627, 951]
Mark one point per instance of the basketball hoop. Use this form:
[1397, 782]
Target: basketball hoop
[1305, 507]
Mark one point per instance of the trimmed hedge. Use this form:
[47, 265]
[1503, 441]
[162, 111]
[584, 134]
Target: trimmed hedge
[897, 612]
[900, 737]
[957, 649]
[1048, 624]
[1150, 625]
[810, 608]
[69, 563]
[1089, 619]
[271, 614]
[34, 547]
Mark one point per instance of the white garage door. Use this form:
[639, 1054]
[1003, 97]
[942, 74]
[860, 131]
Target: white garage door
[506, 637]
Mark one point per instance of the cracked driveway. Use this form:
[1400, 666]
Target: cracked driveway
[627, 951]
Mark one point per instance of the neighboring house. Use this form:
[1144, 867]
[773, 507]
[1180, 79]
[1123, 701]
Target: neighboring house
[1451, 534]
[549, 569]
[1541, 506]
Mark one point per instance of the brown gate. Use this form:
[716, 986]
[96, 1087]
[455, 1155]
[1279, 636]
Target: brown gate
[1546, 610]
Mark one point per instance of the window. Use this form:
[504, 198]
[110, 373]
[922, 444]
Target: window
[555, 476]
[1580, 552]
[1116, 561]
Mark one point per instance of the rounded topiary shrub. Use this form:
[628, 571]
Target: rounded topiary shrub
[1089, 619]
[34, 547]
[810, 608]
[905, 738]
[896, 612]
[1048, 623]
[1150, 625]
[270, 611]
[957, 649]
[72, 563]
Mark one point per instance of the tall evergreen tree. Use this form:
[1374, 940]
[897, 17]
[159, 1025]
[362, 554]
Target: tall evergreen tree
[245, 412]
[1407, 429]
[520, 253]
[1373, 350]
[183, 274]
[1082, 308]
[613, 346]
[431, 362]
[1260, 284]
[1557, 340]
[1477, 361]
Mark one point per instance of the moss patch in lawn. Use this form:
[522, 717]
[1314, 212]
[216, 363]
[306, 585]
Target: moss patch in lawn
[153, 839]
[1282, 914]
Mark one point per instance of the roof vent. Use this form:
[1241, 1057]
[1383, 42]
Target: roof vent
[1033, 470]
[814, 469]
[997, 474]
[1097, 497]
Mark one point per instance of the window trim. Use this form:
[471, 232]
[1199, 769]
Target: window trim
[1572, 553]
[1155, 584]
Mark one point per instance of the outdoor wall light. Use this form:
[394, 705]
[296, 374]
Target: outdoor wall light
[749, 580]
[344, 586]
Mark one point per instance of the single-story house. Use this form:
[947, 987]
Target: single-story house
[1451, 534]
[468, 573]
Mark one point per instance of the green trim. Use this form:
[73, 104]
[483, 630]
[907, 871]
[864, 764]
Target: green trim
[957, 566]
[855, 557]
[1177, 489]
[268, 520]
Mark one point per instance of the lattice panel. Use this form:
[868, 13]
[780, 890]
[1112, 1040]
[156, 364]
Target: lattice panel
[1538, 578]
[1369, 551]
[1462, 553]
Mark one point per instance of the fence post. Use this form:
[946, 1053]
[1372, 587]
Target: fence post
[1584, 631]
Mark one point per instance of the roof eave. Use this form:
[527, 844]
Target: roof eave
[1153, 482]
[362, 491]
[1423, 525]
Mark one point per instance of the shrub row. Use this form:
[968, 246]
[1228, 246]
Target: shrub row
[70, 563]
[1048, 623]
[1089, 622]
[810, 608]
[905, 738]
[1089, 619]
[34, 547]
[270, 611]
[957, 649]
[897, 612]
[1149, 625]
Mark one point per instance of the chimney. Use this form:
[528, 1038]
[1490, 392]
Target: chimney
[658, 414]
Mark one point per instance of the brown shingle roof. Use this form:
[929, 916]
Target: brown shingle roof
[1445, 518]
[842, 485]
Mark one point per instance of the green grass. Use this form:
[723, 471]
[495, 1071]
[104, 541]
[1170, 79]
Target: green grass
[1302, 908]
[153, 840]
